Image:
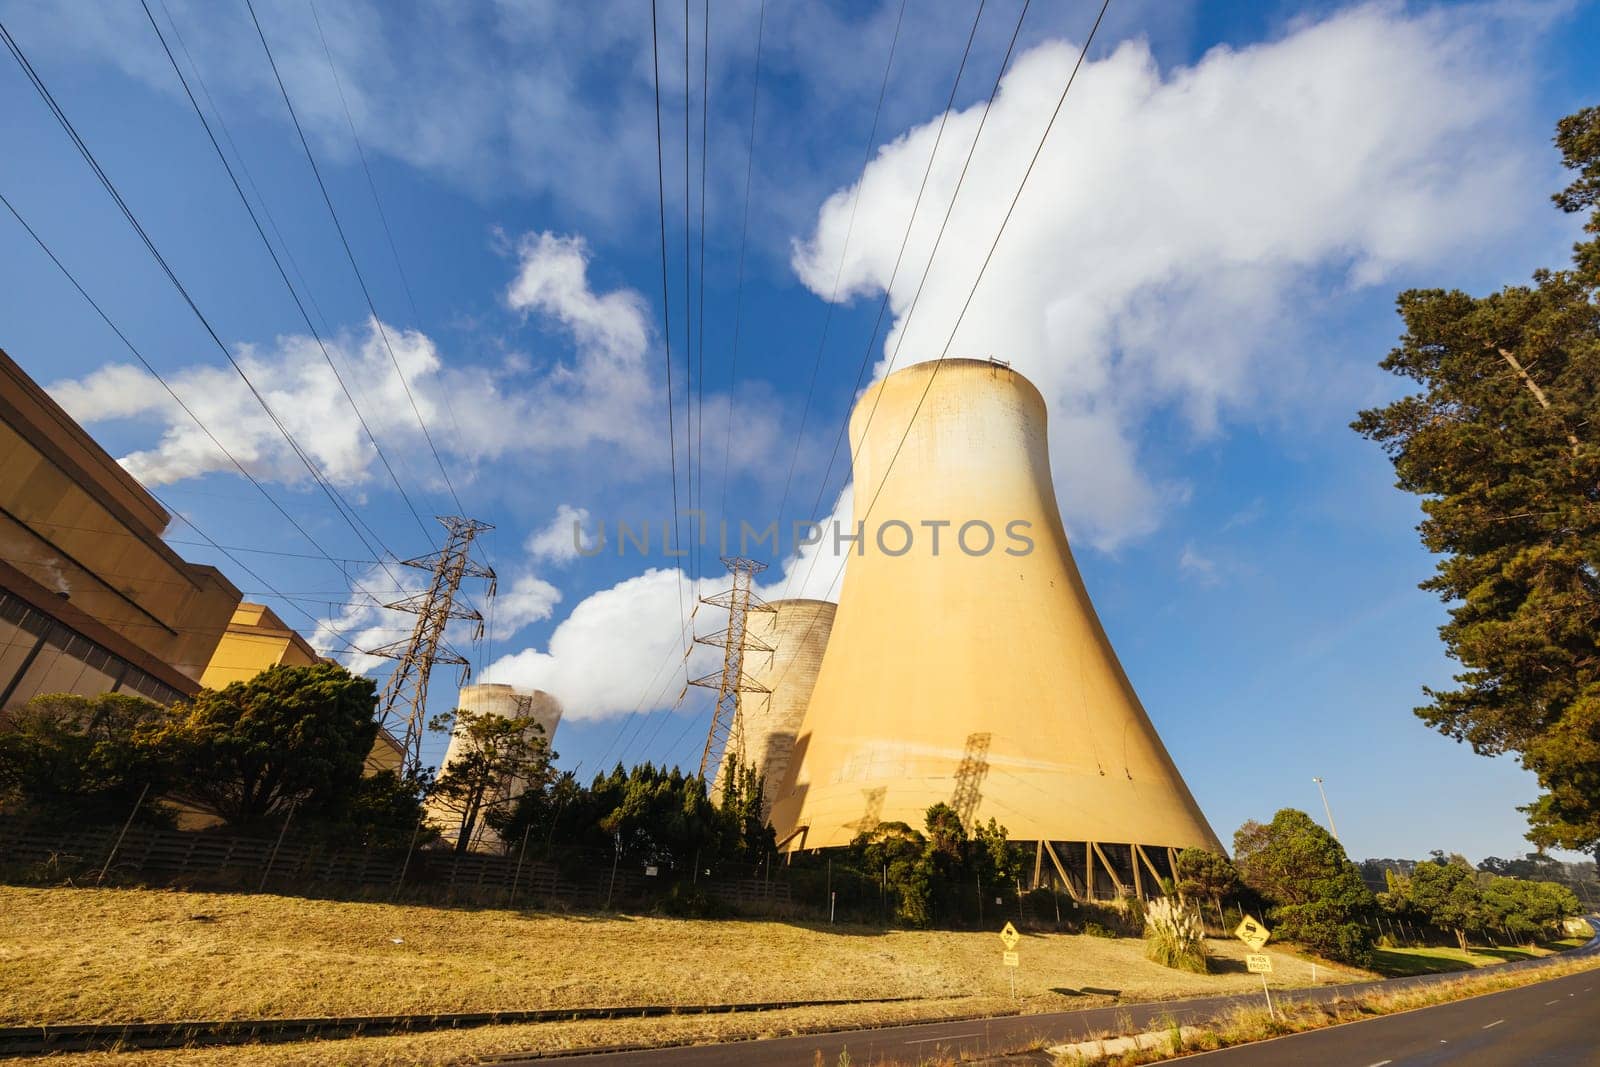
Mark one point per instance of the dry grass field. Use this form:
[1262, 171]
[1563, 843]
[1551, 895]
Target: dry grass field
[115, 955]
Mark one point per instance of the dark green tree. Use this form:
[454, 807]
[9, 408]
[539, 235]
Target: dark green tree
[289, 735]
[891, 854]
[1503, 445]
[1446, 895]
[494, 758]
[1315, 893]
[1526, 910]
[1206, 875]
[66, 758]
[746, 835]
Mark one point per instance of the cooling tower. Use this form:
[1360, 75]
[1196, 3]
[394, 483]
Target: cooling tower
[966, 663]
[510, 703]
[797, 631]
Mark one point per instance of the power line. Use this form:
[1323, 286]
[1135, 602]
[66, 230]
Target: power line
[176, 399]
[377, 202]
[855, 202]
[982, 269]
[744, 232]
[263, 551]
[700, 400]
[666, 309]
[383, 332]
[382, 457]
[244, 167]
[341, 506]
[866, 355]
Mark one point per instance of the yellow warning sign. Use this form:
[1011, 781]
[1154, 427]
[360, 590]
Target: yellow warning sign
[1252, 933]
[1011, 959]
[1009, 937]
[1258, 964]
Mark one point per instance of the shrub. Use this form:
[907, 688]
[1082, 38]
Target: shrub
[1316, 894]
[1174, 936]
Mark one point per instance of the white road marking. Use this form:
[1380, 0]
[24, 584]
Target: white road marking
[1497, 1022]
[1380, 1063]
[1550, 1002]
[931, 1040]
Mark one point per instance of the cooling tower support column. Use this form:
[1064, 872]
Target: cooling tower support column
[725, 738]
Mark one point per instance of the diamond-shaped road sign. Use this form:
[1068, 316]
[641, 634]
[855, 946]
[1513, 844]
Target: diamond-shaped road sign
[1252, 933]
[1009, 937]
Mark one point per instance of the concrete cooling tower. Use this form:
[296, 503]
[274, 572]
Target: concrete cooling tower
[509, 703]
[966, 663]
[797, 632]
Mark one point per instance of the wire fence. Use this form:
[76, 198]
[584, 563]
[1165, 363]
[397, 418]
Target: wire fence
[573, 878]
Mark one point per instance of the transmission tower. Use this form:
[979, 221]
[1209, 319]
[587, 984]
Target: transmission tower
[725, 740]
[404, 702]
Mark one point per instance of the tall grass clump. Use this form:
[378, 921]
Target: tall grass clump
[1174, 935]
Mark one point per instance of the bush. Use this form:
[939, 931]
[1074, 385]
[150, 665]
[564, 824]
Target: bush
[1095, 929]
[1316, 894]
[1174, 936]
[688, 901]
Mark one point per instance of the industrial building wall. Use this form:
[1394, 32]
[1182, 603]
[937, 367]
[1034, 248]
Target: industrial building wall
[255, 640]
[73, 523]
[982, 679]
[39, 654]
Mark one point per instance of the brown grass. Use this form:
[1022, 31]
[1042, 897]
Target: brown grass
[114, 955]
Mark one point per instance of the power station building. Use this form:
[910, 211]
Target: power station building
[509, 703]
[92, 600]
[256, 639]
[970, 667]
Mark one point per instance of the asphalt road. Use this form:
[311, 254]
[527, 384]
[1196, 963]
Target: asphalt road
[1543, 1025]
[1527, 1032]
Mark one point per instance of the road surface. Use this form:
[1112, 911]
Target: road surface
[1564, 1021]
[1548, 1024]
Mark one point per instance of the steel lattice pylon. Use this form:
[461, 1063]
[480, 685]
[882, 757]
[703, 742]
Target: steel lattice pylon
[404, 702]
[725, 739]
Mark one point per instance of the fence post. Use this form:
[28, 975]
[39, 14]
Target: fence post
[106, 866]
[405, 866]
[517, 876]
[267, 871]
[612, 888]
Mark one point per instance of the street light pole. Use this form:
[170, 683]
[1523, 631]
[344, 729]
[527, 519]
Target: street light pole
[1327, 810]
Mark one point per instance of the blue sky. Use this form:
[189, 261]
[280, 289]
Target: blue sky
[1200, 279]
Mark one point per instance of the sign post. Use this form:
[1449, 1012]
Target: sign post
[1255, 935]
[1010, 959]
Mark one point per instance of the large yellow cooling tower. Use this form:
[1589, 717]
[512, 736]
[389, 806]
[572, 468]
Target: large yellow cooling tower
[797, 632]
[966, 663]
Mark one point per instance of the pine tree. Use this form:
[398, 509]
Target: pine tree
[1503, 444]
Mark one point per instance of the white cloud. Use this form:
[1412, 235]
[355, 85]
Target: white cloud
[601, 396]
[529, 599]
[558, 542]
[619, 649]
[363, 623]
[1161, 254]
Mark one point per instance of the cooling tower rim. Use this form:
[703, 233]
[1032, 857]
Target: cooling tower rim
[799, 600]
[946, 366]
[509, 688]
